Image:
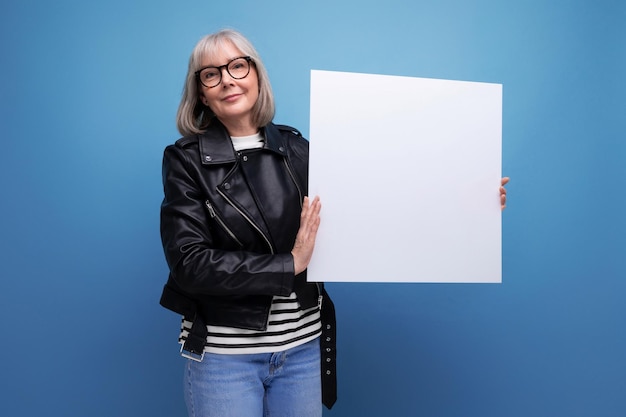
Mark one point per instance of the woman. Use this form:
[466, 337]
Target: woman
[238, 232]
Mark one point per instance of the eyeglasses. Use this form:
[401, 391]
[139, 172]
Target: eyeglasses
[237, 68]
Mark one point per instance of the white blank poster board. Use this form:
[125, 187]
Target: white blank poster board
[408, 172]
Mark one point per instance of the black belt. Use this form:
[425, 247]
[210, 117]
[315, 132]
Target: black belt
[193, 348]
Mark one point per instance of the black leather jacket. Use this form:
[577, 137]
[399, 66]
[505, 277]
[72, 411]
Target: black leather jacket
[228, 224]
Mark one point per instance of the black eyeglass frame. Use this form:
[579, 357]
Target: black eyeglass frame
[219, 69]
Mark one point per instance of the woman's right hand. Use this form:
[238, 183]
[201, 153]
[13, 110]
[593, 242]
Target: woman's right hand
[305, 239]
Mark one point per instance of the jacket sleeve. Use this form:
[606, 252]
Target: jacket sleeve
[196, 264]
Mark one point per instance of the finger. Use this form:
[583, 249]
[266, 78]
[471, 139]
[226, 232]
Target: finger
[305, 206]
[504, 180]
[316, 207]
[310, 210]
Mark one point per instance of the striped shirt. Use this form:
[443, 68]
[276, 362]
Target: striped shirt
[288, 326]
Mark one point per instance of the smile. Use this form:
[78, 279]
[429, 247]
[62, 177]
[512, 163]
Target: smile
[231, 97]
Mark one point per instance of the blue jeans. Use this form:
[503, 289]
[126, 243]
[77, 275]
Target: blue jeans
[282, 384]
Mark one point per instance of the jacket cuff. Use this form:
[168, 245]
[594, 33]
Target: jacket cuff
[288, 284]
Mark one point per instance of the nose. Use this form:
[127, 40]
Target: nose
[225, 75]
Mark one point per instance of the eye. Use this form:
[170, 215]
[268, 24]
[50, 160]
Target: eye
[209, 73]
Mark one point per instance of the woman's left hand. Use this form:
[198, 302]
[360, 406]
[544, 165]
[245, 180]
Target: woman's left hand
[305, 239]
[504, 181]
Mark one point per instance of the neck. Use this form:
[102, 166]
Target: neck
[239, 127]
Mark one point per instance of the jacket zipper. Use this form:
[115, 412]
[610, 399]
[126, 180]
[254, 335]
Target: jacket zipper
[217, 218]
[320, 297]
[293, 178]
[249, 220]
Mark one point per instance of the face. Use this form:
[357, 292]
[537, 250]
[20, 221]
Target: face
[231, 100]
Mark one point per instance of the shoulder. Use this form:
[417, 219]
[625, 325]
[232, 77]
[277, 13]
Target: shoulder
[182, 144]
[184, 150]
[294, 138]
[289, 129]
[297, 151]
[186, 141]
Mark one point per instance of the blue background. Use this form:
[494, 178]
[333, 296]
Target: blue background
[89, 92]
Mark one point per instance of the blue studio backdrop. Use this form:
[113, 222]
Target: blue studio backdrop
[89, 92]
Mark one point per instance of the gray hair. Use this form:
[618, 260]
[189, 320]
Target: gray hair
[193, 116]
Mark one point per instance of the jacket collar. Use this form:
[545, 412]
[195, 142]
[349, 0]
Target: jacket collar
[216, 147]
